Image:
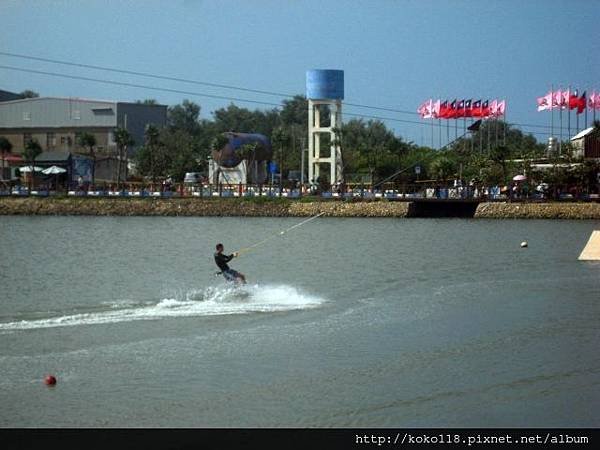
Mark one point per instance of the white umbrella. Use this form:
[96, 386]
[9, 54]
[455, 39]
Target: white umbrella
[28, 169]
[54, 170]
[519, 178]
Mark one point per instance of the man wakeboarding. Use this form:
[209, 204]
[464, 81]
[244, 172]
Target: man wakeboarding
[230, 275]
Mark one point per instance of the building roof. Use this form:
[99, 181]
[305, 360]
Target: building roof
[582, 134]
[73, 99]
[53, 156]
[67, 112]
[6, 96]
[11, 157]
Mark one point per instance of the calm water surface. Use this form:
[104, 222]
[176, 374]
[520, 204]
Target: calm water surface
[345, 322]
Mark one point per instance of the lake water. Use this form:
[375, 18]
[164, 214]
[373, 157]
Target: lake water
[344, 322]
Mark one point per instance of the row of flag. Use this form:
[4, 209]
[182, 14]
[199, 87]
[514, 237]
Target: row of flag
[568, 100]
[438, 109]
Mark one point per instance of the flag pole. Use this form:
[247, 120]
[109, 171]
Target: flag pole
[504, 127]
[480, 139]
[447, 130]
[569, 113]
[471, 136]
[455, 128]
[552, 109]
[495, 128]
[488, 135]
[586, 108]
[560, 114]
[432, 144]
[594, 105]
[464, 126]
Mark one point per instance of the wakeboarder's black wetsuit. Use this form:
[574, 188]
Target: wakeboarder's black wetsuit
[228, 273]
[222, 260]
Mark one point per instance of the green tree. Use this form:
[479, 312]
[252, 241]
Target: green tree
[88, 140]
[152, 159]
[28, 94]
[32, 151]
[218, 142]
[369, 147]
[248, 151]
[158, 165]
[147, 101]
[295, 111]
[281, 139]
[442, 168]
[184, 117]
[124, 141]
[184, 152]
[5, 147]
[499, 155]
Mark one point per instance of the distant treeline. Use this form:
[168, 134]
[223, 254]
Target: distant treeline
[371, 152]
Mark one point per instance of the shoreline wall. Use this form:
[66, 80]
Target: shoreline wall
[552, 210]
[198, 207]
[277, 208]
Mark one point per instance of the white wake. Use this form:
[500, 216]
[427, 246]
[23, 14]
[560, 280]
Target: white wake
[208, 302]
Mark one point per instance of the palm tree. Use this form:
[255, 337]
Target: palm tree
[89, 140]
[5, 147]
[442, 168]
[151, 134]
[248, 152]
[32, 151]
[218, 142]
[123, 140]
[499, 155]
[281, 138]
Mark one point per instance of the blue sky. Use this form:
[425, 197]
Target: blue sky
[394, 53]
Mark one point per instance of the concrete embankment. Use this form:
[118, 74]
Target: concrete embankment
[282, 208]
[538, 211]
[198, 207]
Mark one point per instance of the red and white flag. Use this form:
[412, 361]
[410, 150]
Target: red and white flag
[544, 103]
[501, 108]
[556, 99]
[594, 100]
[426, 109]
[573, 99]
[435, 109]
[493, 107]
[581, 103]
[564, 98]
[485, 109]
[443, 114]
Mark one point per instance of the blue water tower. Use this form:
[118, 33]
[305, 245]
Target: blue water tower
[325, 84]
[325, 92]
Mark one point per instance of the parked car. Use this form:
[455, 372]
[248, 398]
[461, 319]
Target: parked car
[192, 177]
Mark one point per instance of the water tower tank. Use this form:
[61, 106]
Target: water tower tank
[324, 84]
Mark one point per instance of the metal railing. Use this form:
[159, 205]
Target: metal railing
[389, 191]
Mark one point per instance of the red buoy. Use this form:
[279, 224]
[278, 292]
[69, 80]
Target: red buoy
[50, 380]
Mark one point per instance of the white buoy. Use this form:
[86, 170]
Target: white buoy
[523, 244]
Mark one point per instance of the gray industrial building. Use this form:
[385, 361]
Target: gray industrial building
[56, 122]
[6, 96]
